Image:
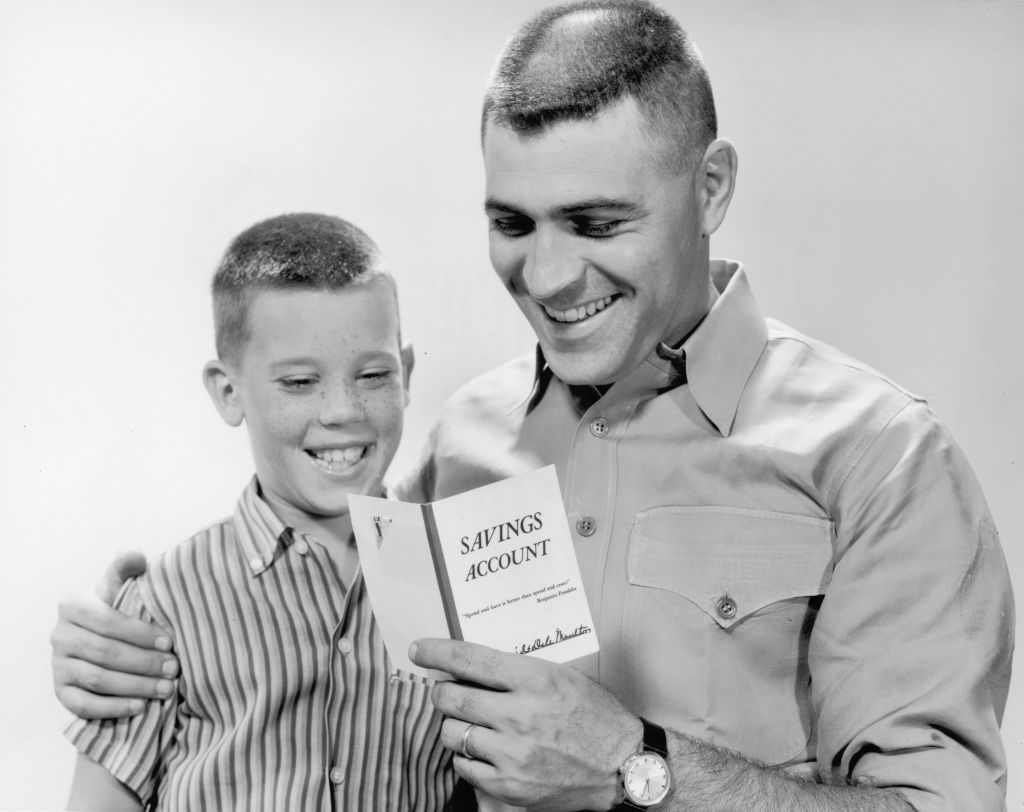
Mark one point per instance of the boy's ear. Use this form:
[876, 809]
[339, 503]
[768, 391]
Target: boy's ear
[408, 360]
[223, 393]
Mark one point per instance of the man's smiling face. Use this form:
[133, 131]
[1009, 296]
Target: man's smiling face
[598, 243]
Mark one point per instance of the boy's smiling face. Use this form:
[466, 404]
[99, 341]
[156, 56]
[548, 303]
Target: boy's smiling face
[321, 383]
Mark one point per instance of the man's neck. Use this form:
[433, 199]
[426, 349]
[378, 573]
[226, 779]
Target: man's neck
[679, 333]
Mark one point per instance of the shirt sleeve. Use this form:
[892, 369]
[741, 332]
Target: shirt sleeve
[910, 653]
[418, 483]
[130, 749]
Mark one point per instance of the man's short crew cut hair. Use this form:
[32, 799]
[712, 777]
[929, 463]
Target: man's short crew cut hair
[572, 61]
[291, 251]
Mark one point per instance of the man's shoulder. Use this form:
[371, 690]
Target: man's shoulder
[495, 393]
[836, 375]
[471, 432]
[813, 396]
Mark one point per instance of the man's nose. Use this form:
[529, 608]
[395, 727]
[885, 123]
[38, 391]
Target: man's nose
[341, 404]
[552, 266]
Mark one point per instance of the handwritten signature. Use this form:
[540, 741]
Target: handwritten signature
[550, 640]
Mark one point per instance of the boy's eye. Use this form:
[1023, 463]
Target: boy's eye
[512, 225]
[298, 383]
[376, 377]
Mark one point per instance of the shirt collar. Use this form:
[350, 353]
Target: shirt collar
[260, 533]
[719, 355]
[723, 351]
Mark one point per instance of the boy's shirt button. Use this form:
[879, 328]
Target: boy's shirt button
[255, 563]
[345, 645]
[301, 547]
[337, 775]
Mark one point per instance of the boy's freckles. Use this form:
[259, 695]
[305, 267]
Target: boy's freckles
[321, 388]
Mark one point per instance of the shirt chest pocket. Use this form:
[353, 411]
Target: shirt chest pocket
[725, 599]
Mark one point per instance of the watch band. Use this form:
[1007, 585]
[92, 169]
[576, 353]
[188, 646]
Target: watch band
[655, 738]
[656, 741]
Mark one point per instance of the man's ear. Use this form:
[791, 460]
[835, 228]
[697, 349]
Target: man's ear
[223, 393]
[408, 361]
[716, 179]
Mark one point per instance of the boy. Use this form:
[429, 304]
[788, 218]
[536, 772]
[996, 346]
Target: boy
[287, 699]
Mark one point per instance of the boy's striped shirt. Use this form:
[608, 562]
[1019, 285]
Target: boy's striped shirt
[287, 698]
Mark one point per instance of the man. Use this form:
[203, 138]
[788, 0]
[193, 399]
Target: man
[798, 591]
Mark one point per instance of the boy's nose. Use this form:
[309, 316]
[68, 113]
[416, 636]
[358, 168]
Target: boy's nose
[340, 406]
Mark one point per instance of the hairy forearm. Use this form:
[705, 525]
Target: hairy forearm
[710, 779]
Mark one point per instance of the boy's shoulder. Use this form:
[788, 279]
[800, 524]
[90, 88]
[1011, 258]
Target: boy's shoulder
[194, 553]
[206, 561]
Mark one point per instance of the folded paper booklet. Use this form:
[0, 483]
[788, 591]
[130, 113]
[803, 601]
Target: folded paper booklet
[494, 565]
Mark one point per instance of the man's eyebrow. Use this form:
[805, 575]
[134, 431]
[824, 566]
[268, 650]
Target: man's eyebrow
[596, 203]
[496, 205]
[624, 206]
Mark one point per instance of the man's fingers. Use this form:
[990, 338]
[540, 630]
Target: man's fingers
[481, 743]
[80, 676]
[467, 662]
[91, 616]
[465, 703]
[78, 644]
[71, 641]
[125, 565]
[92, 706]
[476, 772]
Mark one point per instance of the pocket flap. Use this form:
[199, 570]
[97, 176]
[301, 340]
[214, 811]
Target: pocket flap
[730, 562]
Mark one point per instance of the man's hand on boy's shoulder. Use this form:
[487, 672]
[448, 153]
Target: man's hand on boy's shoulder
[104, 662]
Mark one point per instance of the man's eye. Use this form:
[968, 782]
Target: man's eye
[297, 383]
[586, 227]
[512, 226]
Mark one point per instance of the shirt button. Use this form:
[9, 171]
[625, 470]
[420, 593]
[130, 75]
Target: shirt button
[726, 608]
[599, 427]
[586, 526]
[255, 563]
[301, 547]
[337, 775]
[345, 645]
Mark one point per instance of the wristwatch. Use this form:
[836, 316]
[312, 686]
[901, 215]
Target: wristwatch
[645, 776]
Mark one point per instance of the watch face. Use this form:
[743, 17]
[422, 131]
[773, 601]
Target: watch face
[646, 779]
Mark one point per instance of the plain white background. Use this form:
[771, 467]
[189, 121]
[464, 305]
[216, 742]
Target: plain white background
[879, 208]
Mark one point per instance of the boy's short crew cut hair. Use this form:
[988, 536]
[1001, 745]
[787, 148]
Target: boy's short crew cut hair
[291, 251]
[572, 61]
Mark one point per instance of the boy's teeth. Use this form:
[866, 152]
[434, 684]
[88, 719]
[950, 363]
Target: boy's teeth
[579, 313]
[348, 455]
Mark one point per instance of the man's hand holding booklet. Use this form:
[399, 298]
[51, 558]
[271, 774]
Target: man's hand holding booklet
[494, 565]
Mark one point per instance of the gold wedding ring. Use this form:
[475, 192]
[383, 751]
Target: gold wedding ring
[465, 741]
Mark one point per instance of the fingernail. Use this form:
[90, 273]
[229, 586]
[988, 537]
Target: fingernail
[163, 688]
[136, 706]
[412, 651]
[170, 668]
[163, 643]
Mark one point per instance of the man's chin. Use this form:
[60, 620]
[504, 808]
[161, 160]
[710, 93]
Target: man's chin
[583, 369]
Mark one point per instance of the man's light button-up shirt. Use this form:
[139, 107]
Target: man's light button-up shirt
[726, 608]
[871, 626]
[586, 526]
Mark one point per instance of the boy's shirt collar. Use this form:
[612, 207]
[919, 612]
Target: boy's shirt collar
[260, 532]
